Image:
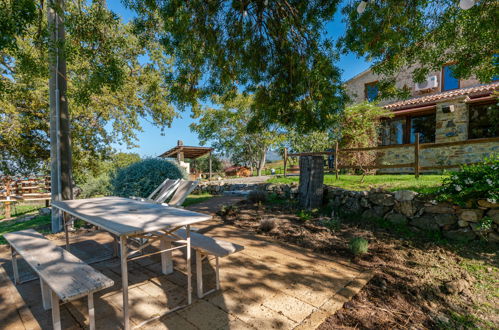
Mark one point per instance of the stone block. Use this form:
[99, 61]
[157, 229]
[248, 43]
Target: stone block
[494, 215]
[375, 212]
[445, 219]
[493, 237]
[405, 195]
[462, 223]
[487, 204]
[440, 208]
[396, 218]
[463, 235]
[470, 215]
[425, 222]
[406, 208]
[382, 199]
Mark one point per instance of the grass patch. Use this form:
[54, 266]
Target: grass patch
[40, 224]
[427, 183]
[20, 209]
[195, 199]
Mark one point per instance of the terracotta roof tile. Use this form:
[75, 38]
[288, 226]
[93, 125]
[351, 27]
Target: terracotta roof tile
[420, 100]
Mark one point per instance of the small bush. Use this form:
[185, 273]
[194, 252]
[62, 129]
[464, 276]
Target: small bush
[473, 182]
[304, 215]
[257, 196]
[141, 178]
[333, 224]
[267, 224]
[227, 211]
[359, 246]
[96, 186]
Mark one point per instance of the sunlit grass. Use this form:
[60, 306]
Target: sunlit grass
[40, 224]
[392, 182]
[195, 199]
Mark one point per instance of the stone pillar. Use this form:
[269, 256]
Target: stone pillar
[311, 182]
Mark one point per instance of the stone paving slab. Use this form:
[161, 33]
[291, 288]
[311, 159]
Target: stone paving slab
[267, 286]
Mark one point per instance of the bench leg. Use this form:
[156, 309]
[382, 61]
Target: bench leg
[14, 265]
[124, 281]
[116, 246]
[166, 257]
[199, 273]
[46, 295]
[217, 272]
[91, 311]
[56, 315]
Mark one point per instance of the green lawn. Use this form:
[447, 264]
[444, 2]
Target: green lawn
[392, 182]
[20, 209]
[40, 224]
[194, 199]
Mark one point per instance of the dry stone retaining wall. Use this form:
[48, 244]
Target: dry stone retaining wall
[405, 207]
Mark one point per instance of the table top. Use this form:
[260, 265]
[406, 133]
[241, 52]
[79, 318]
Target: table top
[125, 216]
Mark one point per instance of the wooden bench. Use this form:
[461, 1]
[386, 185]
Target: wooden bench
[204, 247]
[62, 275]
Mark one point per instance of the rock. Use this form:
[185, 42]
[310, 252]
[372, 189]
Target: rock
[382, 199]
[487, 204]
[396, 218]
[494, 215]
[456, 286]
[364, 202]
[45, 211]
[440, 208]
[462, 223]
[470, 215]
[479, 229]
[376, 212]
[406, 208]
[445, 219]
[441, 318]
[493, 237]
[425, 222]
[463, 235]
[352, 206]
[405, 195]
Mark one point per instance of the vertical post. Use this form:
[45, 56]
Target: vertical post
[46, 295]
[336, 160]
[199, 274]
[56, 315]
[416, 156]
[210, 165]
[166, 257]
[14, 265]
[285, 160]
[60, 141]
[188, 259]
[91, 311]
[124, 280]
[7, 209]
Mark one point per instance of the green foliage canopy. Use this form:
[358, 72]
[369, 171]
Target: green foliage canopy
[398, 34]
[276, 50]
[108, 87]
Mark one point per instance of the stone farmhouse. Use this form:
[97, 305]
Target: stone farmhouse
[442, 109]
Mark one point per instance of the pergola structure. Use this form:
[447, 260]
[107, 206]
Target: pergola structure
[181, 152]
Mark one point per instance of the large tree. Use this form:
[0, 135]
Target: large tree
[225, 128]
[276, 50]
[109, 88]
[397, 34]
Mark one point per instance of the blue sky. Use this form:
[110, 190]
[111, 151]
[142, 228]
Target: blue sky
[152, 143]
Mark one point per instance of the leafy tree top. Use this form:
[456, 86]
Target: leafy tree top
[273, 49]
[426, 34]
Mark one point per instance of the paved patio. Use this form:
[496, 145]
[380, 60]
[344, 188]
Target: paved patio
[268, 285]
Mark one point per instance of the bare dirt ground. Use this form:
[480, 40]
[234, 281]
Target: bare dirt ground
[420, 281]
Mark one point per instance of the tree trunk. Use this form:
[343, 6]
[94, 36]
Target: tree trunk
[261, 162]
[311, 188]
[60, 140]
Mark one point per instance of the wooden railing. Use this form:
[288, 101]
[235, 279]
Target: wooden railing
[26, 189]
[417, 151]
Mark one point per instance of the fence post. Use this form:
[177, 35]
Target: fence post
[285, 160]
[311, 186]
[416, 156]
[336, 160]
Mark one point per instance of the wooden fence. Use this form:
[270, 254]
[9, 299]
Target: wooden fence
[417, 147]
[25, 189]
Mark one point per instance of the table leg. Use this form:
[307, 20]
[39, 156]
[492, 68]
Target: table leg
[14, 265]
[46, 295]
[56, 315]
[189, 272]
[66, 234]
[199, 274]
[166, 257]
[124, 280]
[91, 311]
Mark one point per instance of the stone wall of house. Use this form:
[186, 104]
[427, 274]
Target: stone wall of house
[355, 87]
[402, 207]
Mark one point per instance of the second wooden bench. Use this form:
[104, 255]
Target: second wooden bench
[62, 275]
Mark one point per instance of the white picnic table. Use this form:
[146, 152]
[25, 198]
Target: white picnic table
[127, 218]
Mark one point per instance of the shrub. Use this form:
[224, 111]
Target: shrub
[359, 246]
[267, 224]
[141, 178]
[227, 211]
[257, 196]
[304, 215]
[473, 182]
[96, 186]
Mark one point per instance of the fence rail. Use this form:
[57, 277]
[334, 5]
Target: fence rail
[417, 151]
[20, 190]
